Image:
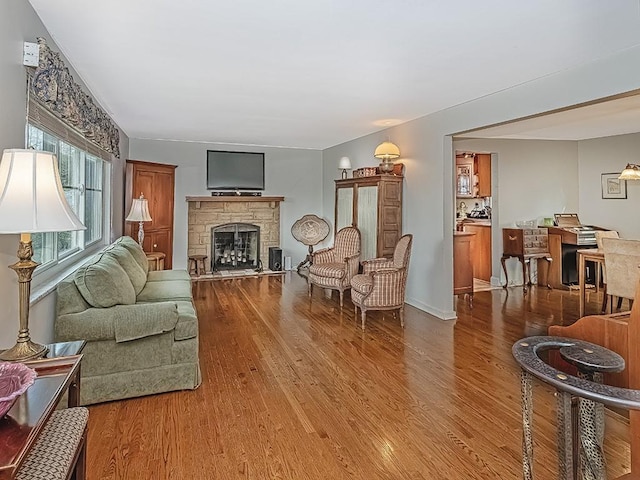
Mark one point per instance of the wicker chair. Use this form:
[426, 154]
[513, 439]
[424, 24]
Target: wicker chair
[382, 284]
[334, 267]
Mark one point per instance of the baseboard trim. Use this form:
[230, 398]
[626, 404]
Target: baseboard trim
[441, 314]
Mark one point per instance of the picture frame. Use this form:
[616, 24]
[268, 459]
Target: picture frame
[612, 186]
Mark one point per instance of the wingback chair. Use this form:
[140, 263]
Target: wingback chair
[381, 285]
[622, 263]
[334, 267]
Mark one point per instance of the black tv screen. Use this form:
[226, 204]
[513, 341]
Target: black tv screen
[235, 170]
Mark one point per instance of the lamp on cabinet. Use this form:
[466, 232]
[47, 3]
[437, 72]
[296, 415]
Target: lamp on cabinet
[32, 200]
[344, 165]
[387, 152]
[139, 213]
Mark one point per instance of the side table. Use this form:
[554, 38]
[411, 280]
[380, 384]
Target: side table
[58, 373]
[156, 260]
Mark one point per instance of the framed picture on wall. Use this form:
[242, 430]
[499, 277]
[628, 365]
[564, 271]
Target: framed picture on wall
[612, 186]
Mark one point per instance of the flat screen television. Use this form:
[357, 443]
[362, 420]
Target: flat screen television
[235, 170]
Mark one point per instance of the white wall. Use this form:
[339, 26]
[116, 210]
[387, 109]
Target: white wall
[289, 172]
[608, 155]
[19, 23]
[427, 150]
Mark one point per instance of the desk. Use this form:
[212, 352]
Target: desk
[588, 255]
[23, 424]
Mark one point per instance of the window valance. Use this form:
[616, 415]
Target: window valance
[54, 98]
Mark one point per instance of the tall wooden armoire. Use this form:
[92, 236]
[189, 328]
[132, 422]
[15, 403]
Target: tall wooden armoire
[156, 182]
[374, 205]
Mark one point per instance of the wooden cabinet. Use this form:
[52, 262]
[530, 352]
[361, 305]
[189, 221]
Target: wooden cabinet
[481, 251]
[482, 170]
[156, 182]
[374, 205]
[462, 263]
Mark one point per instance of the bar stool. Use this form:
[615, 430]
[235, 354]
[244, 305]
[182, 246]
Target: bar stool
[195, 261]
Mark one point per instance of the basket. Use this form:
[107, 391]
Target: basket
[364, 172]
[15, 379]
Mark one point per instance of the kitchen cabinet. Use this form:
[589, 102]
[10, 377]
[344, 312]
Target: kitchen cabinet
[156, 182]
[374, 205]
[463, 263]
[482, 170]
[464, 177]
[481, 249]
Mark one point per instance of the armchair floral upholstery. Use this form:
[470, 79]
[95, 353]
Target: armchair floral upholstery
[381, 286]
[334, 267]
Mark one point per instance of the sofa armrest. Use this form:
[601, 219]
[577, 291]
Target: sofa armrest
[121, 323]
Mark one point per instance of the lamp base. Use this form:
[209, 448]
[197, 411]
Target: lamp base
[386, 166]
[26, 350]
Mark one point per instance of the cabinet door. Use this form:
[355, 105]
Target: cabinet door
[368, 220]
[484, 174]
[162, 202]
[344, 207]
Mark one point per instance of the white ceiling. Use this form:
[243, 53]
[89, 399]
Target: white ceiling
[314, 74]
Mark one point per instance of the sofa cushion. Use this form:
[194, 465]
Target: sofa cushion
[162, 275]
[169, 290]
[136, 250]
[134, 271]
[329, 270]
[103, 283]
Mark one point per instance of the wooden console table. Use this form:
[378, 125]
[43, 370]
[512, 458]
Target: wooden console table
[24, 423]
[525, 244]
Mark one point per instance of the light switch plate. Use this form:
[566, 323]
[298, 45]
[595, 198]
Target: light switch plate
[30, 54]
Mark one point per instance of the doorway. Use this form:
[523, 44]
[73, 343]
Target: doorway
[474, 214]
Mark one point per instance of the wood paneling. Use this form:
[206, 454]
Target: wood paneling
[293, 389]
[156, 182]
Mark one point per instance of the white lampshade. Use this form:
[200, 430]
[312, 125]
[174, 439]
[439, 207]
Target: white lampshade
[139, 210]
[387, 151]
[31, 196]
[631, 172]
[345, 164]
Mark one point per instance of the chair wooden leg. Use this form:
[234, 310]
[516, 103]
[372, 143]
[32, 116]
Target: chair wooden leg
[309, 287]
[402, 317]
[341, 298]
[619, 303]
[363, 314]
[603, 310]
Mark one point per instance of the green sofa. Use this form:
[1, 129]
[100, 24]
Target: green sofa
[141, 327]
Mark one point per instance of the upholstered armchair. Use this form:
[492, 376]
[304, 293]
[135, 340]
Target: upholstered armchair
[381, 285]
[334, 267]
[622, 264]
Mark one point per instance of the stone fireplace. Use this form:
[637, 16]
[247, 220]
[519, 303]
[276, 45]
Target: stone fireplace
[208, 213]
[235, 246]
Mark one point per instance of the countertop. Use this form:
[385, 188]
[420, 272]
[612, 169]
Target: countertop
[481, 222]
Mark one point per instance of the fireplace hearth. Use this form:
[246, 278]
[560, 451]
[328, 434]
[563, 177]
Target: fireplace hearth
[235, 246]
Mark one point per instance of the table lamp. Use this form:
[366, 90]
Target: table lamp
[344, 165]
[139, 213]
[386, 152]
[31, 201]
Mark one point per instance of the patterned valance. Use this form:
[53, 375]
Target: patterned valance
[53, 86]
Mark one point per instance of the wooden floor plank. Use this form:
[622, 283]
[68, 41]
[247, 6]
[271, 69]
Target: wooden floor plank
[294, 389]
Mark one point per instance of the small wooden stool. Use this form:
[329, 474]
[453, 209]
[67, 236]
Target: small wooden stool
[194, 261]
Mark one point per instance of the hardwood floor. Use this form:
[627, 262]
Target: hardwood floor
[293, 389]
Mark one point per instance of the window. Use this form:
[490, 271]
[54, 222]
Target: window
[83, 181]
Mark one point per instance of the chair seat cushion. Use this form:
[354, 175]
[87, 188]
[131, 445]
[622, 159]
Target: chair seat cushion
[54, 451]
[330, 270]
[362, 283]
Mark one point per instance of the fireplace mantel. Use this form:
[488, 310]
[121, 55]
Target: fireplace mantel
[235, 198]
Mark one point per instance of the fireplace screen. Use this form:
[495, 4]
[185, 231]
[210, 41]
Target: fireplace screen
[235, 246]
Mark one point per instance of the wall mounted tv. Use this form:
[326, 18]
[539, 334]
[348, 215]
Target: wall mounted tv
[235, 170]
